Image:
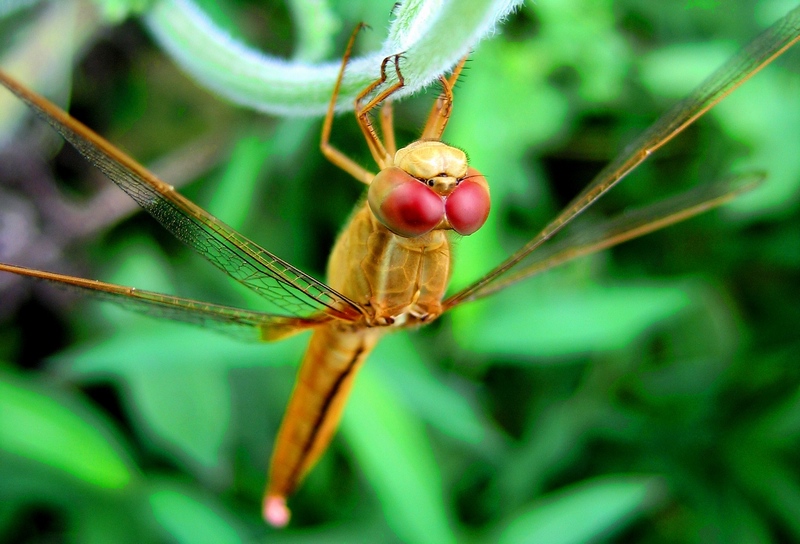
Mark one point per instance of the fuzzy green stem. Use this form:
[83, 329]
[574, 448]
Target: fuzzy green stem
[432, 35]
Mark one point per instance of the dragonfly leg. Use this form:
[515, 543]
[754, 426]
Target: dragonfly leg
[329, 151]
[376, 147]
[440, 112]
[387, 128]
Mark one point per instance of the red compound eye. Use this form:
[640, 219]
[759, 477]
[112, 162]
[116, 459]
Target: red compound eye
[468, 205]
[403, 204]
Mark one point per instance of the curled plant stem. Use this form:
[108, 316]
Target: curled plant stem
[432, 35]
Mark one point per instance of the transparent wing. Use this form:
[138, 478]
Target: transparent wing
[769, 45]
[276, 280]
[629, 225]
[242, 324]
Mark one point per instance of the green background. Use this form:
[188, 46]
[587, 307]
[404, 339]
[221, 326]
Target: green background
[645, 394]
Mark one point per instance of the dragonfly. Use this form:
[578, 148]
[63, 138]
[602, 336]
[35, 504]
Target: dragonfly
[389, 268]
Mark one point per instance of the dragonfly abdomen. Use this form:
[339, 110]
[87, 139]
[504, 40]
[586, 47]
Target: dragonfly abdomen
[334, 356]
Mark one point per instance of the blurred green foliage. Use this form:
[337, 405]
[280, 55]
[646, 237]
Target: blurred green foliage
[646, 394]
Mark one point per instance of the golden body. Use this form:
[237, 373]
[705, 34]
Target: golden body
[403, 280]
[397, 280]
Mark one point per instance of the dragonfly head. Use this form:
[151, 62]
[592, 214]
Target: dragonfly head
[430, 186]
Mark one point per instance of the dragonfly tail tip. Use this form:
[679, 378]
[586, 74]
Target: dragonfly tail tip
[275, 511]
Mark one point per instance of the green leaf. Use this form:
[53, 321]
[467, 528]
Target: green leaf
[147, 343]
[189, 520]
[584, 512]
[186, 409]
[393, 451]
[251, 161]
[38, 427]
[771, 481]
[563, 320]
[400, 367]
[693, 61]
